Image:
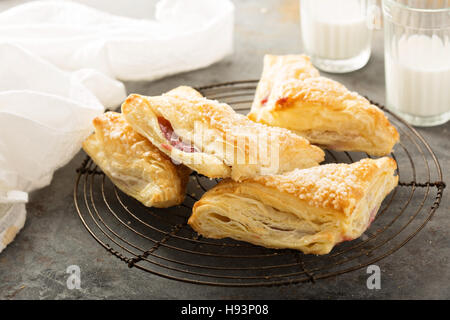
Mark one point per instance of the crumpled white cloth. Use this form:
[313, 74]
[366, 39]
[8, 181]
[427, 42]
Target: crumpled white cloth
[185, 35]
[45, 114]
[59, 62]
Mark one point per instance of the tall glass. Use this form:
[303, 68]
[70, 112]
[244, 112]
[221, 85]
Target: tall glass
[337, 33]
[417, 59]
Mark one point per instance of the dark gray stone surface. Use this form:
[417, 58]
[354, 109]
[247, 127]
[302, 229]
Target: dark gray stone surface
[34, 265]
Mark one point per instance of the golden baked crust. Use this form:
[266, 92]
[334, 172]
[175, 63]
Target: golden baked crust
[211, 138]
[184, 92]
[307, 209]
[134, 165]
[278, 69]
[325, 112]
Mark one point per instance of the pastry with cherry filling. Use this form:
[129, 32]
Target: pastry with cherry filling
[310, 210]
[291, 94]
[134, 164]
[212, 139]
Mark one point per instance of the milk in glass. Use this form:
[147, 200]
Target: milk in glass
[335, 33]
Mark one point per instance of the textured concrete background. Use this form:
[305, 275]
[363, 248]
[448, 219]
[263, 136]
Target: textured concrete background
[34, 265]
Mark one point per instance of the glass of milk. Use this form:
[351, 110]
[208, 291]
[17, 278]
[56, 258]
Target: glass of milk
[337, 33]
[417, 59]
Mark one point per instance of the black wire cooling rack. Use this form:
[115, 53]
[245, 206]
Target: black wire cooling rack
[159, 241]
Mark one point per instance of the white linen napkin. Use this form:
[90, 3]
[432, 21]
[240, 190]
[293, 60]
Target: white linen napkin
[59, 62]
[185, 35]
[45, 114]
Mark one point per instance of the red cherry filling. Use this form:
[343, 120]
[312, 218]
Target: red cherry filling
[373, 213]
[282, 101]
[174, 140]
[264, 101]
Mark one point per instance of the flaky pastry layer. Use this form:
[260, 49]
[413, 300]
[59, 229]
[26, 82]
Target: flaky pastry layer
[211, 138]
[310, 210]
[278, 69]
[134, 165]
[322, 110]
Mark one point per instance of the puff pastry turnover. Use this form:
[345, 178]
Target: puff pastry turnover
[319, 109]
[212, 139]
[134, 165]
[309, 210]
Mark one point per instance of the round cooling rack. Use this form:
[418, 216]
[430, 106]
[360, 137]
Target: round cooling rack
[161, 242]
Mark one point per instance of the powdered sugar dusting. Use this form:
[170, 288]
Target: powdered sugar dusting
[334, 186]
[184, 112]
